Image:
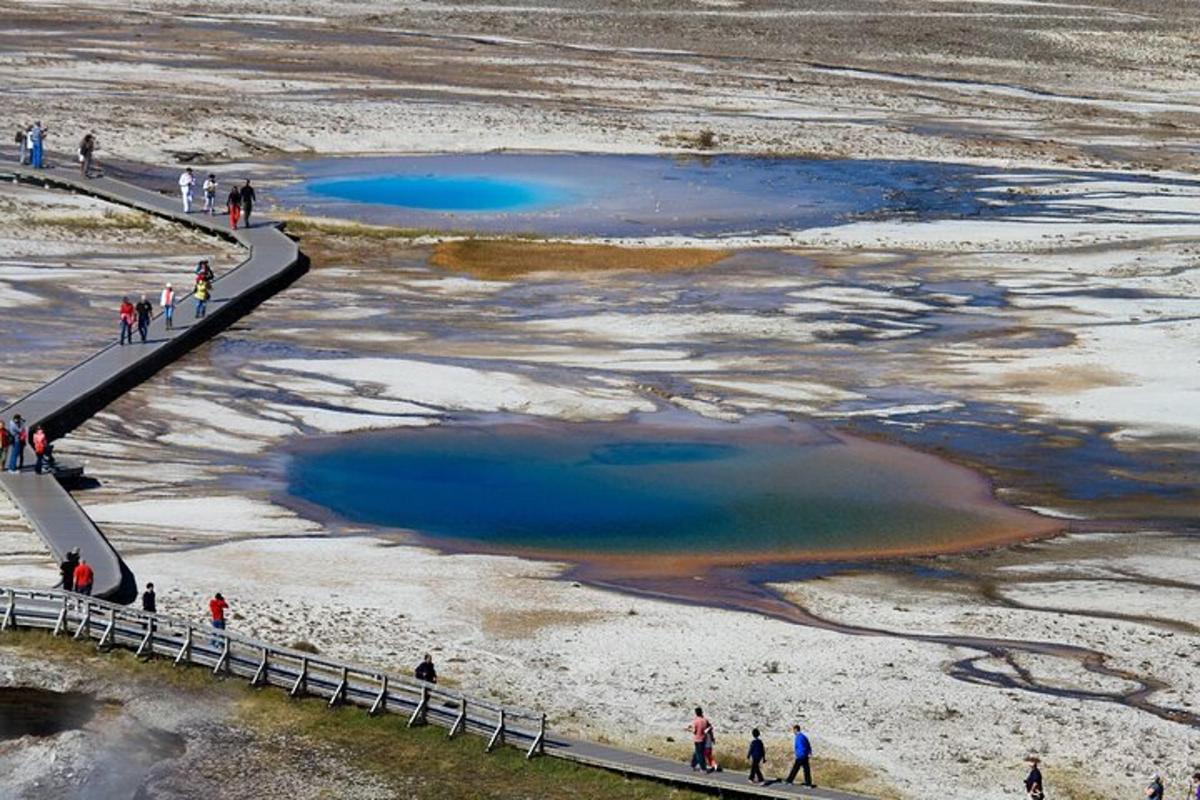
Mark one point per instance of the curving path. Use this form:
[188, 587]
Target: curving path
[274, 262]
[68, 400]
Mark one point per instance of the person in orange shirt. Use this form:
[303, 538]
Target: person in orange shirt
[83, 578]
[41, 448]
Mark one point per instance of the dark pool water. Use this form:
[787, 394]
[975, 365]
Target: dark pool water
[618, 488]
[29, 711]
[623, 195]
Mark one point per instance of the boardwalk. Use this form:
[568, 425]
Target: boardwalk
[72, 397]
[69, 399]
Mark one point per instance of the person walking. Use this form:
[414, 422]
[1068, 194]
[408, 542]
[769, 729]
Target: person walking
[201, 294]
[1155, 789]
[87, 154]
[233, 204]
[210, 194]
[149, 599]
[22, 142]
[167, 301]
[187, 181]
[217, 608]
[41, 448]
[698, 727]
[83, 578]
[248, 199]
[757, 755]
[144, 309]
[16, 443]
[66, 570]
[803, 752]
[1194, 793]
[37, 137]
[1033, 781]
[204, 271]
[710, 744]
[4, 443]
[128, 314]
[425, 671]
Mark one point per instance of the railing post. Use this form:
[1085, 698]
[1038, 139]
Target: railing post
[10, 614]
[223, 661]
[539, 744]
[380, 703]
[185, 649]
[301, 680]
[498, 734]
[106, 637]
[418, 714]
[339, 694]
[61, 625]
[85, 622]
[260, 675]
[460, 722]
[146, 647]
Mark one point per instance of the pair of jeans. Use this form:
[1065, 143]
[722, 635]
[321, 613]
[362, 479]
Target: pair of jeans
[84, 589]
[126, 332]
[756, 771]
[698, 759]
[37, 155]
[41, 460]
[169, 316]
[201, 308]
[797, 765]
[143, 329]
[16, 456]
[218, 625]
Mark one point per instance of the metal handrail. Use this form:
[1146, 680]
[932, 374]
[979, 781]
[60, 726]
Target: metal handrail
[263, 663]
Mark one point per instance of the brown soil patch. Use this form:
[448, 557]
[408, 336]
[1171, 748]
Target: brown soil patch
[496, 259]
[523, 624]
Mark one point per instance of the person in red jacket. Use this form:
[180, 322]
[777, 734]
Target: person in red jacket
[127, 318]
[217, 607]
[41, 448]
[84, 577]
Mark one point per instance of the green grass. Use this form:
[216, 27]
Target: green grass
[418, 763]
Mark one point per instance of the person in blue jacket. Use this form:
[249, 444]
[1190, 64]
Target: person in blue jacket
[803, 751]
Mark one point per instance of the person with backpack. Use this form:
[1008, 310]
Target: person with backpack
[248, 199]
[757, 756]
[233, 204]
[1033, 781]
[87, 154]
[167, 301]
[41, 448]
[201, 294]
[144, 310]
[84, 577]
[210, 194]
[803, 751]
[204, 271]
[128, 315]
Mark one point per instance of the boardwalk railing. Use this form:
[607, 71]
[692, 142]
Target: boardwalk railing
[264, 664]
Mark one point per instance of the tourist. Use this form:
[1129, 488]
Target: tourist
[87, 154]
[1033, 781]
[37, 137]
[66, 570]
[201, 294]
[217, 607]
[187, 181]
[757, 754]
[4, 443]
[22, 142]
[803, 751]
[1155, 789]
[1194, 794]
[425, 670]
[233, 204]
[149, 601]
[210, 194]
[144, 310]
[83, 578]
[127, 318]
[710, 743]
[16, 443]
[698, 728]
[248, 199]
[167, 301]
[203, 271]
[41, 448]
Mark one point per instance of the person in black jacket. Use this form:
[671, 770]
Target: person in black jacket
[425, 670]
[757, 755]
[149, 599]
[67, 570]
[248, 199]
[143, 310]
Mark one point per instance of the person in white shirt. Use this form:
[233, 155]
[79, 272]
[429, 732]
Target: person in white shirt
[210, 194]
[186, 181]
[167, 301]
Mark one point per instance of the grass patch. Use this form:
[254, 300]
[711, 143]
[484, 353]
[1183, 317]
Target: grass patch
[500, 259]
[109, 220]
[355, 230]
